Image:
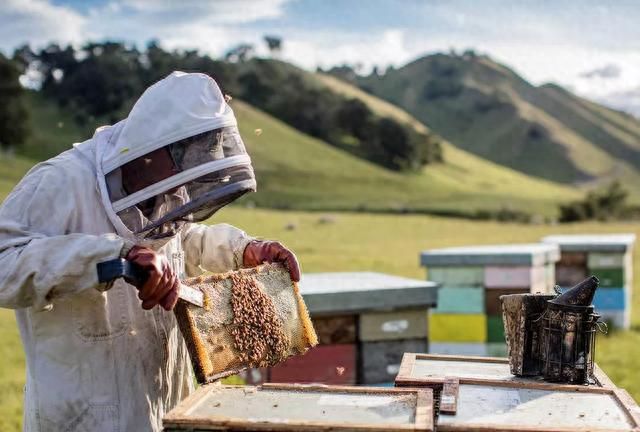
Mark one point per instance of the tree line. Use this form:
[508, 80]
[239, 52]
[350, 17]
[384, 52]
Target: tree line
[103, 79]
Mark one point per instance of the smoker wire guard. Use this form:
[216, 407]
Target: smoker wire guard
[534, 326]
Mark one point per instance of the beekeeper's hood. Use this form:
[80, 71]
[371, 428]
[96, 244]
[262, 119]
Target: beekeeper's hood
[178, 157]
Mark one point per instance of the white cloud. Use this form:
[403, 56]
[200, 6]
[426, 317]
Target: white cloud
[608, 71]
[540, 43]
[328, 49]
[220, 11]
[38, 23]
[628, 101]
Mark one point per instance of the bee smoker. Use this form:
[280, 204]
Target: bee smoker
[568, 335]
[553, 336]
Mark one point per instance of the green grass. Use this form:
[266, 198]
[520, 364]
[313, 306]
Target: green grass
[296, 171]
[13, 168]
[383, 243]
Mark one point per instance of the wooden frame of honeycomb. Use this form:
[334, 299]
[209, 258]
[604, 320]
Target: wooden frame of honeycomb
[251, 318]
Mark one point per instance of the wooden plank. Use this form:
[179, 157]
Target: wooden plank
[424, 410]
[550, 277]
[620, 243]
[605, 260]
[340, 329]
[326, 364]
[467, 300]
[304, 407]
[629, 405]
[533, 254]
[493, 306]
[568, 276]
[613, 299]
[609, 278]
[495, 329]
[449, 395]
[572, 259]
[514, 276]
[456, 276]
[457, 327]
[459, 348]
[394, 325]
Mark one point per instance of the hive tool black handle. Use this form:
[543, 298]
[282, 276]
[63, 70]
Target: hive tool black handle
[121, 268]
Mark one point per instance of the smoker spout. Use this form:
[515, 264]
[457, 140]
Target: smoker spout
[580, 295]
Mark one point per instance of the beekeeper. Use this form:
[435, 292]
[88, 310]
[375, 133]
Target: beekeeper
[109, 358]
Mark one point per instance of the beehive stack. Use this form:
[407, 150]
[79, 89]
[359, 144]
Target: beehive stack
[608, 257]
[252, 318]
[468, 318]
[365, 322]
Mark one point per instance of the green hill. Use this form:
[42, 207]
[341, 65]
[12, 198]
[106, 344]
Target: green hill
[485, 108]
[296, 171]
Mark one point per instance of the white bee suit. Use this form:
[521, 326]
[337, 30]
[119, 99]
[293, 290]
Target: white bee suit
[96, 361]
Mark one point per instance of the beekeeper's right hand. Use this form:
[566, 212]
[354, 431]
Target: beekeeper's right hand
[162, 285]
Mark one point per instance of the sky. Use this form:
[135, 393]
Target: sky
[591, 47]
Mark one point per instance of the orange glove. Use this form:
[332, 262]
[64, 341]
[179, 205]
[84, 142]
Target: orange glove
[162, 285]
[258, 252]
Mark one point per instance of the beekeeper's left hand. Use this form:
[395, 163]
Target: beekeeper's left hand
[258, 252]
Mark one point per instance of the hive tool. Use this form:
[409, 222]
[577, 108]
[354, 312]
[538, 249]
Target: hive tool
[134, 274]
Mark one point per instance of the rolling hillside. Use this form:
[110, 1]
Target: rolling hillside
[485, 108]
[296, 171]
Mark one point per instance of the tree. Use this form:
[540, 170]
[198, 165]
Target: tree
[240, 53]
[603, 204]
[13, 114]
[274, 43]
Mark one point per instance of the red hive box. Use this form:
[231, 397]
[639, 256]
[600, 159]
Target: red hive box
[326, 364]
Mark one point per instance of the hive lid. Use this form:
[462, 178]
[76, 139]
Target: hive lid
[363, 291]
[251, 318]
[620, 243]
[529, 254]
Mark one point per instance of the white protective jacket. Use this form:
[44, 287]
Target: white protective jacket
[96, 361]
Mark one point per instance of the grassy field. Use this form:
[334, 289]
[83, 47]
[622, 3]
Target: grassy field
[381, 243]
[296, 171]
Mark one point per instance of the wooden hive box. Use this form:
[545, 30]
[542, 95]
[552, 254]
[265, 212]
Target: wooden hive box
[324, 364]
[380, 361]
[340, 329]
[275, 407]
[607, 256]
[394, 325]
[480, 394]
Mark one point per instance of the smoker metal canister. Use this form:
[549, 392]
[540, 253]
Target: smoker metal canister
[568, 343]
